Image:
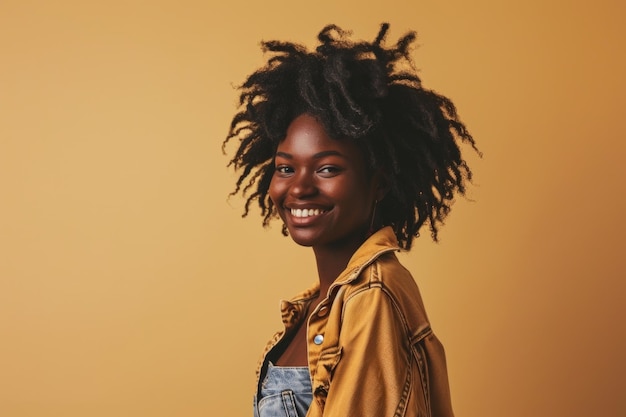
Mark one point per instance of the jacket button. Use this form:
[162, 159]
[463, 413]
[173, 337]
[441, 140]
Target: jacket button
[318, 339]
[322, 311]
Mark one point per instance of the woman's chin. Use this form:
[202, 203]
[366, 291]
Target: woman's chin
[302, 241]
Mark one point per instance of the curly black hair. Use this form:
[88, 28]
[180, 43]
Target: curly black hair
[367, 92]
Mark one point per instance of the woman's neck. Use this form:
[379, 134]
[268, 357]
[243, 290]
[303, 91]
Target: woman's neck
[331, 261]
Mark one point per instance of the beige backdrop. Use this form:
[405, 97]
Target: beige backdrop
[130, 286]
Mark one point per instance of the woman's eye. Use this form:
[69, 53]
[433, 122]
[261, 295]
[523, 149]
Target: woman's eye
[328, 170]
[284, 169]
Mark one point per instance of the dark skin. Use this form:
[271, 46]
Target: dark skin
[325, 195]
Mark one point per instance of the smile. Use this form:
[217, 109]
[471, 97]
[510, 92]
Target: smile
[306, 212]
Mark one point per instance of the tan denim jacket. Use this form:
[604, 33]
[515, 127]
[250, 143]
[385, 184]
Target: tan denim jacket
[371, 350]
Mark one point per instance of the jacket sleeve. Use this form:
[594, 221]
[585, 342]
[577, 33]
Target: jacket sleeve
[371, 371]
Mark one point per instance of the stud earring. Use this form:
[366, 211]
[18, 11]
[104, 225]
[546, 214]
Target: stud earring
[371, 229]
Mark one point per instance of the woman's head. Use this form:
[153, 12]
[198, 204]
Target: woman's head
[367, 93]
[322, 188]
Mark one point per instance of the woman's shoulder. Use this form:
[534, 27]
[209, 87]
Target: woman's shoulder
[389, 273]
[387, 277]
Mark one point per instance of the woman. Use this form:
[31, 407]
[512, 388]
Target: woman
[345, 146]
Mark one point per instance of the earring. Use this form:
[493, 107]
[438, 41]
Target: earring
[371, 229]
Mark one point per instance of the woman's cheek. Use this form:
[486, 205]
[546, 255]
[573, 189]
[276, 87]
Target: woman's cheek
[275, 193]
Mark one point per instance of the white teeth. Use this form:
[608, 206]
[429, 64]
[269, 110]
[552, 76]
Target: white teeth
[305, 212]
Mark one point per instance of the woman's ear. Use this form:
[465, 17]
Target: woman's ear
[381, 183]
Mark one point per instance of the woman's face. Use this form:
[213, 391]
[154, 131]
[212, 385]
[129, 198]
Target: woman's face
[321, 188]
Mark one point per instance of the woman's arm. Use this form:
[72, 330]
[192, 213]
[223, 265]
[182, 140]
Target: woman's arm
[372, 372]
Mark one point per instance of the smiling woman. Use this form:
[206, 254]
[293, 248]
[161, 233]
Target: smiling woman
[347, 148]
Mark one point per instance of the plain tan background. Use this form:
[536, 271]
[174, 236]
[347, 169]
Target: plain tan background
[130, 286]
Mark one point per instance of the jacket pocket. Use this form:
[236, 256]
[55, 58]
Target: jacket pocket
[326, 364]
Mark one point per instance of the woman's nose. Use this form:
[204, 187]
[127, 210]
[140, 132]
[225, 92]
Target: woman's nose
[303, 185]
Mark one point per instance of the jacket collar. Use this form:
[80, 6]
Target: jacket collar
[382, 241]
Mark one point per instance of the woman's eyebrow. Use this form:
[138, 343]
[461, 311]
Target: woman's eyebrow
[284, 155]
[315, 156]
[328, 153]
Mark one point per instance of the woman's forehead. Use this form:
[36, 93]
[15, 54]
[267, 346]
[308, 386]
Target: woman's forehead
[307, 136]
